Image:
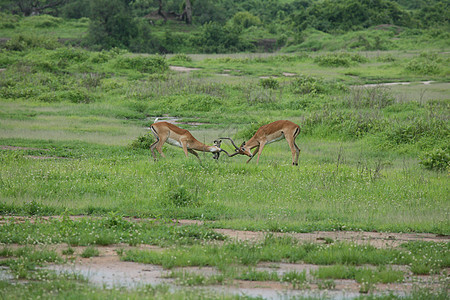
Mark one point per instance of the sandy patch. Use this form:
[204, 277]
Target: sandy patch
[393, 83]
[376, 239]
[182, 69]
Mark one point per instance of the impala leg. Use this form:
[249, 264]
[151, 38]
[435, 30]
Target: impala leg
[253, 155]
[184, 146]
[261, 147]
[158, 146]
[294, 149]
[295, 152]
[193, 152]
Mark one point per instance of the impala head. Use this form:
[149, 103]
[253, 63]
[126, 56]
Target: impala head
[243, 150]
[215, 149]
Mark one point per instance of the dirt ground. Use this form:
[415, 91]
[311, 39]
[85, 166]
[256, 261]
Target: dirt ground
[107, 270]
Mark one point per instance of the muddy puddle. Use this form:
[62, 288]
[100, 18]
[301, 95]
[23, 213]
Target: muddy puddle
[108, 271]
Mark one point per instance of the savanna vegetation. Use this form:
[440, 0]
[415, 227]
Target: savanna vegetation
[78, 93]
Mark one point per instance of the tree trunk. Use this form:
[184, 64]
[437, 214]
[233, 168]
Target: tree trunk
[160, 11]
[188, 12]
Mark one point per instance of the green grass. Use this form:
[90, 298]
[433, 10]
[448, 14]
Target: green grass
[103, 231]
[71, 127]
[286, 249]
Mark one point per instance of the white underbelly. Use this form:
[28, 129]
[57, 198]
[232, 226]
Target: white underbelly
[174, 142]
[276, 139]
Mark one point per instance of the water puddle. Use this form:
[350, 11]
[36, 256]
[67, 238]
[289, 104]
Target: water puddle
[393, 83]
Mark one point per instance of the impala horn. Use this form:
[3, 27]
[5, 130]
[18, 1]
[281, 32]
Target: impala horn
[236, 148]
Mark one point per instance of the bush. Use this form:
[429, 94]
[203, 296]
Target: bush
[201, 103]
[415, 129]
[73, 95]
[70, 54]
[44, 21]
[269, 83]
[313, 85]
[8, 21]
[181, 57]
[425, 64]
[348, 124]
[376, 97]
[339, 60]
[24, 42]
[245, 19]
[436, 159]
[145, 64]
[143, 141]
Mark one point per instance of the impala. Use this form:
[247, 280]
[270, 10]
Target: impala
[267, 134]
[176, 136]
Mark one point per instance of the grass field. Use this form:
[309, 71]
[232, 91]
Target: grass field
[74, 141]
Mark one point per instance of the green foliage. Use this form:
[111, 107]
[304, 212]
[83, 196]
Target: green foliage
[111, 25]
[90, 252]
[346, 124]
[252, 275]
[339, 60]
[192, 279]
[345, 15]
[305, 84]
[436, 159]
[143, 141]
[245, 19]
[215, 38]
[8, 21]
[372, 97]
[145, 64]
[425, 64]
[419, 129]
[111, 230]
[297, 279]
[269, 83]
[43, 21]
[180, 57]
[23, 42]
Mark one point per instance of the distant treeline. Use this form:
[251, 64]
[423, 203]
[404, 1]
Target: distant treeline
[219, 24]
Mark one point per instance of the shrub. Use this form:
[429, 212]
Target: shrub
[349, 124]
[180, 196]
[181, 57]
[43, 21]
[8, 21]
[245, 19]
[72, 95]
[415, 129]
[339, 60]
[425, 64]
[313, 85]
[90, 252]
[145, 64]
[376, 97]
[70, 54]
[143, 141]
[436, 159]
[423, 67]
[24, 42]
[199, 103]
[269, 83]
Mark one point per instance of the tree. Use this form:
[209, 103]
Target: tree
[111, 24]
[32, 7]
